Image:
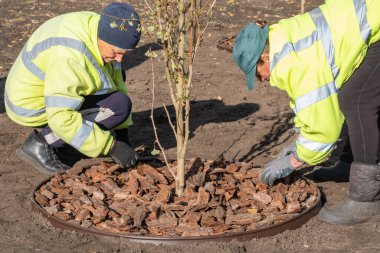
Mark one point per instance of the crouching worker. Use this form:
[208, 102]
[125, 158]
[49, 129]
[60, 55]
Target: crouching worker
[328, 62]
[68, 82]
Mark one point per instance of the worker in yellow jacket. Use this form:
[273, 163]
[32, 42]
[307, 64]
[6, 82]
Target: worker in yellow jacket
[68, 82]
[327, 61]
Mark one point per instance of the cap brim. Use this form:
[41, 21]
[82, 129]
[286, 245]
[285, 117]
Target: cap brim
[250, 78]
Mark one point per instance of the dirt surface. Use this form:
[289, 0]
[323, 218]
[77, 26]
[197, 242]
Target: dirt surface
[226, 120]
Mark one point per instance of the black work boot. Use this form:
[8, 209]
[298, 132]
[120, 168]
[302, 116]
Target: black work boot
[37, 152]
[339, 172]
[363, 201]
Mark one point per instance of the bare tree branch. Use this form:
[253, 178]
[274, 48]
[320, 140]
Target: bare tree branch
[154, 124]
[150, 8]
[207, 23]
[170, 121]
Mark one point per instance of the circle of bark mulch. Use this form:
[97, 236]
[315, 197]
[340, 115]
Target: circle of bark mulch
[219, 198]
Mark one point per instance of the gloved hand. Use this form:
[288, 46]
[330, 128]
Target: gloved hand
[123, 154]
[277, 169]
[287, 150]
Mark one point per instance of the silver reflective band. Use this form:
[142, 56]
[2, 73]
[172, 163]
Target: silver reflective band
[321, 23]
[294, 47]
[83, 133]
[29, 56]
[322, 27]
[27, 61]
[315, 146]
[97, 114]
[361, 15]
[51, 138]
[324, 34]
[55, 101]
[20, 110]
[314, 96]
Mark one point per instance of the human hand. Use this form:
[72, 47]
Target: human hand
[287, 150]
[277, 169]
[123, 154]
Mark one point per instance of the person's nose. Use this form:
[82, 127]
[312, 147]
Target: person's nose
[119, 58]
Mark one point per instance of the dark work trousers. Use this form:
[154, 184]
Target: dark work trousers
[346, 154]
[107, 111]
[359, 101]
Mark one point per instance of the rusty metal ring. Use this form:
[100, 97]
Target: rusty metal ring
[271, 230]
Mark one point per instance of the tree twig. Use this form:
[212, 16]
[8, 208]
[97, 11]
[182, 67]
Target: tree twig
[148, 6]
[154, 124]
[204, 29]
[303, 2]
[170, 121]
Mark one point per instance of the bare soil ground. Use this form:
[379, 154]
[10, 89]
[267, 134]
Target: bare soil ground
[243, 126]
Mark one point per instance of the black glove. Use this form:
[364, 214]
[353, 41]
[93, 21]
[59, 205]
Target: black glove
[123, 154]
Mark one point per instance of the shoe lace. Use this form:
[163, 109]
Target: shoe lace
[53, 156]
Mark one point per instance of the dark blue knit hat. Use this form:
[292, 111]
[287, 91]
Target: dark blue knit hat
[119, 25]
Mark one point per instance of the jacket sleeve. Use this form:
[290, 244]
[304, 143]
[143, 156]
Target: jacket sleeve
[320, 126]
[67, 81]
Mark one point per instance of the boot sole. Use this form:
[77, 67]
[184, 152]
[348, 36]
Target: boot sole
[334, 222]
[28, 159]
[323, 218]
[375, 218]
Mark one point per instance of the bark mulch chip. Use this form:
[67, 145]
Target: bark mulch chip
[219, 198]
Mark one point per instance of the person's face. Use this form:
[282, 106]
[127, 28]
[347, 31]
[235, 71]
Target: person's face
[263, 68]
[110, 53]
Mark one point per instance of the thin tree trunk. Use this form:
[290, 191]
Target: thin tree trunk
[175, 22]
[303, 2]
[180, 183]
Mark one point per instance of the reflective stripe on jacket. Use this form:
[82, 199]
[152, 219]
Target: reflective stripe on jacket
[312, 56]
[60, 65]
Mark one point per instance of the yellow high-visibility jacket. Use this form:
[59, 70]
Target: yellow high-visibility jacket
[311, 57]
[60, 65]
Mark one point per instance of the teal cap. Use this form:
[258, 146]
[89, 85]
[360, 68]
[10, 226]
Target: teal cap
[248, 47]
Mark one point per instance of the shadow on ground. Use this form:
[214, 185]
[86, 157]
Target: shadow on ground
[2, 85]
[202, 113]
[280, 126]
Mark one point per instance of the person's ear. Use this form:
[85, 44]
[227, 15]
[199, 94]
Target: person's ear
[261, 23]
[265, 56]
